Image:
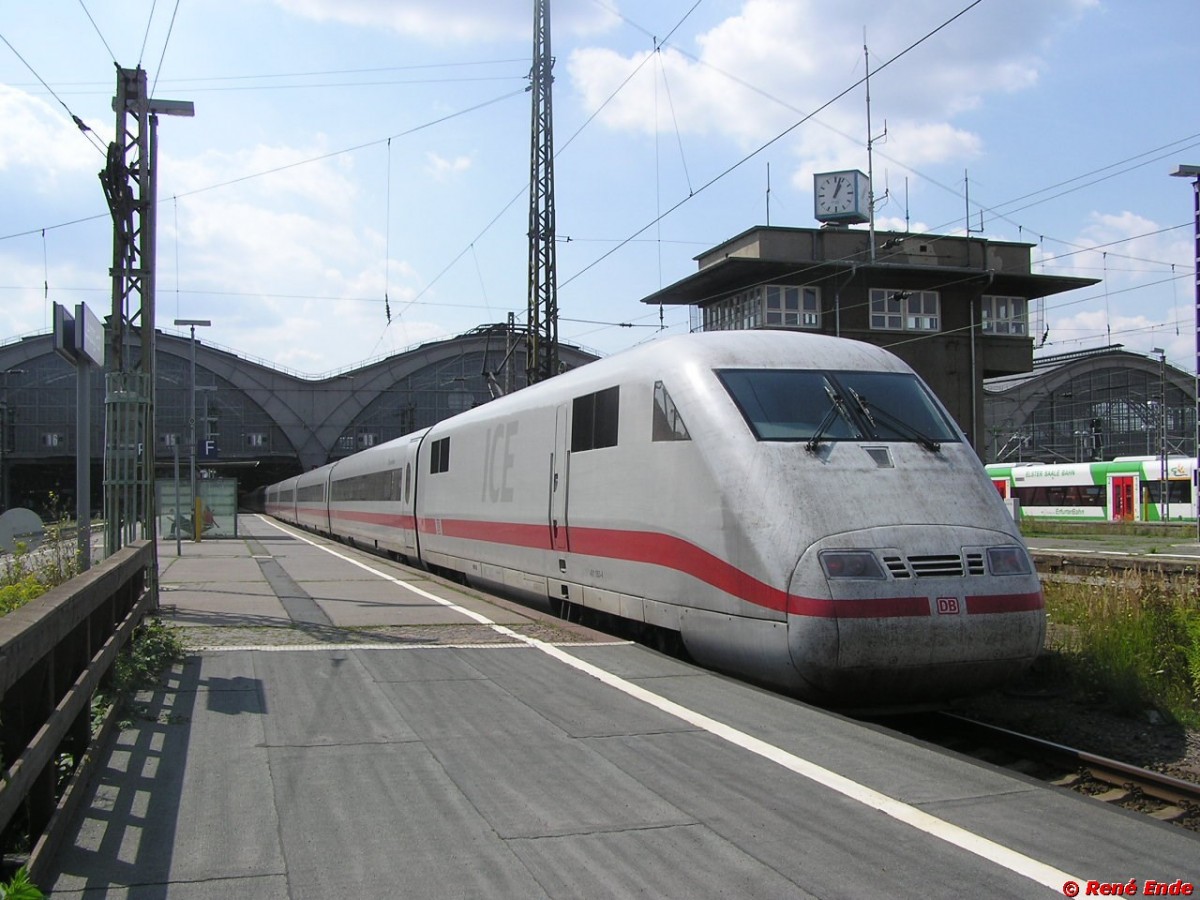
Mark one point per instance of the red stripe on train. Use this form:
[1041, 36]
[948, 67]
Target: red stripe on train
[1004, 603]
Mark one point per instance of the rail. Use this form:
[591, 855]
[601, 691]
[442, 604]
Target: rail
[1181, 798]
[1158, 795]
[55, 652]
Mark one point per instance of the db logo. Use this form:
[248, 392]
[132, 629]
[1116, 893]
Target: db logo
[947, 606]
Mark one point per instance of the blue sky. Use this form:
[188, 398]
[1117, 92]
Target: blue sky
[287, 216]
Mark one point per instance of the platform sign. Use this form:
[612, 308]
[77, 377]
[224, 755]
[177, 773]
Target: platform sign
[64, 334]
[78, 338]
[207, 449]
[89, 336]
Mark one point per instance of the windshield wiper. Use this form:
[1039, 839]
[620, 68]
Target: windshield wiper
[895, 422]
[837, 405]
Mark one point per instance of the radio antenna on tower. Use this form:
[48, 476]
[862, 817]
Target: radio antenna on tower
[870, 150]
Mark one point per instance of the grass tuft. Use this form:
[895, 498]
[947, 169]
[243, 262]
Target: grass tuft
[1132, 643]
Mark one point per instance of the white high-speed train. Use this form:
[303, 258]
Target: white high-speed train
[798, 508]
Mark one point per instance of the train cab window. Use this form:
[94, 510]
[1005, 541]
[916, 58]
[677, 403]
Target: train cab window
[668, 424]
[439, 456]
[798, 405]
[594, 419]
[897, 407]
[788, 405]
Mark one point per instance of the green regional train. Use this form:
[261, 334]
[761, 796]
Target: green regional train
[1128, 488]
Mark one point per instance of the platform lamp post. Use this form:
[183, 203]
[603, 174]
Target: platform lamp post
[1164, 493]
[192, 324]
[1193, 172]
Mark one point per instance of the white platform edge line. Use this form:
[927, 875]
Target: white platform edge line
[1007, 858]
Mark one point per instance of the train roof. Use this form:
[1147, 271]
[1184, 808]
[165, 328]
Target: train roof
[676, 355]
[761, 348]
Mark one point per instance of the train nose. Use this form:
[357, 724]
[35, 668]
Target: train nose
[869, 622]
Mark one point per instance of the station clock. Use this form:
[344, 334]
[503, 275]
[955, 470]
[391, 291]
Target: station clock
[842, 198]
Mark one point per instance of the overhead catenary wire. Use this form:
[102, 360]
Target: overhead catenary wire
[146, 36]
[112, 56]
[996, 211]
[525, 186]
[79, 123]
[196, 83]
[805, 118]
[163, 55]
[472, 246]
[374, 143]
[387, 239]
[272, 171]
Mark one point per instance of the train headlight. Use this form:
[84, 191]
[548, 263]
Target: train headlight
[1008, 561]
[850, 564]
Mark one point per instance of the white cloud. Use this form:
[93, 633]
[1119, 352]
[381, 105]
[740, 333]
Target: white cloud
[283, 260]
[761, 71]
[1138, 300]
[460, 21]
[1129, 249]
[42, 139]
[440, 167]
[291, 176]
[29, 290]
[1138, 332]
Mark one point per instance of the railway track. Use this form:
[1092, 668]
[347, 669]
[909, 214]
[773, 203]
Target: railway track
[1151, 793]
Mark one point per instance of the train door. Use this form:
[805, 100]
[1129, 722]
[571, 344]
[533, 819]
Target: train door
[1122, 498]
[407, 514]
[1001, 485]
[560, 463]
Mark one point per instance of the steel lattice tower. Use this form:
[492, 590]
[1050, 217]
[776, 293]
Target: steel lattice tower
[541, 360]
[129, 182]
[129, 390]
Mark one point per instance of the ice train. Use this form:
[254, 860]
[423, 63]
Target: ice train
[798, 508]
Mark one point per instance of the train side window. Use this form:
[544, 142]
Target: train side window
[594, 419]
[439, 456]
[668, 424]
[407, 482]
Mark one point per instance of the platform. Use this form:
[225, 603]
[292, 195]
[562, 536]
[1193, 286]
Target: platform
[356, 728]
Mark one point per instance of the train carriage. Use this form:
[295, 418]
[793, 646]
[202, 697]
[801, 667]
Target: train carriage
[281, 500]
[312, 499]
[1124, 489]
[766, 495]
[372, 496]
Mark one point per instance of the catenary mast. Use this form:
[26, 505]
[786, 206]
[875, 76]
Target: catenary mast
[541, 361]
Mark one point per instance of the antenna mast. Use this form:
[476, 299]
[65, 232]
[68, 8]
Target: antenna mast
[541, 356]
[870, 151]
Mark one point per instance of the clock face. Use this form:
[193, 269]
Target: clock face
[836, 193]
[840, 196]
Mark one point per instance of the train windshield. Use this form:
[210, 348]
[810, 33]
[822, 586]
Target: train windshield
[800, 405]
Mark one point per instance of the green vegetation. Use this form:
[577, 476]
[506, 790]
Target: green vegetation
[1132, 643]
[27, 574]
[20, 887]
[154, 646]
